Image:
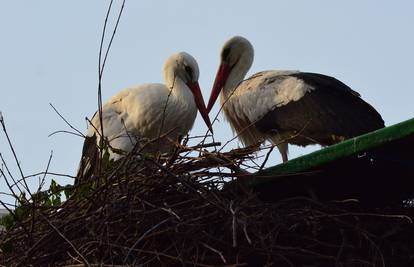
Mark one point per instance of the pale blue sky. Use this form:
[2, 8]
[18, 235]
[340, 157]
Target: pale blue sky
[49, 53]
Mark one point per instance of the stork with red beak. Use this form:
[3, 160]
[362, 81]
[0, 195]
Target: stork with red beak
[284, 107]
[150, 116]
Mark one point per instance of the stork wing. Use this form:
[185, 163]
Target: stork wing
[113, 130]
[322, 108]
[89, 163]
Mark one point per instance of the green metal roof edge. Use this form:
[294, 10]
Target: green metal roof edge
[342, 150]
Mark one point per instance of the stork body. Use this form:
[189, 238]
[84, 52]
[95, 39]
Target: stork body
[287, 106]
[150, 117]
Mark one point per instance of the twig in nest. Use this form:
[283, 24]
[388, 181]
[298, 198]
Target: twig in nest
[143, 236]
[234, 223]
[67, 240]
[246, 234]
[216, 251]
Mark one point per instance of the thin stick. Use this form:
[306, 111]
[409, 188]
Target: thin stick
[3, 124]
[101, 68]
[11, 177]
[100, 72]
[267, 157]
[234, 223]
[216, 251]
[67, 240]
[46, 171]
[143, 236]
[63, 131]
[79, 133]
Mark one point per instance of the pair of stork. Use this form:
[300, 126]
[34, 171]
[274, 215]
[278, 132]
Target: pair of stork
[280, 106]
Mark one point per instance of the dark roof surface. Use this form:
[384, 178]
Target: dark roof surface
[377, 167]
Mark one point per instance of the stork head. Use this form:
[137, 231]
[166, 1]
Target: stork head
[183, 67]
[236, 59]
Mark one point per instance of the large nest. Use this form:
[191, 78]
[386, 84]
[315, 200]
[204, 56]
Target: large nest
[174, 211]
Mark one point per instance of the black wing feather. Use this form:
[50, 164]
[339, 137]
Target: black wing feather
[89, 164]
[326, 115]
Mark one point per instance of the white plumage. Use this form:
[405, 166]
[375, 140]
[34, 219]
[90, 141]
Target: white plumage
[254, 97]
[287, 106]
[137, 115]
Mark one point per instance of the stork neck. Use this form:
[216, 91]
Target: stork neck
[239, 69]
[236, 76]
[180, 90]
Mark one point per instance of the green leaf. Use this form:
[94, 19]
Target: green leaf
[7, 221]
[6, 247]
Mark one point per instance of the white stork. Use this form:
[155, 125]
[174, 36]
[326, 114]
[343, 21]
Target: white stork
[284, 107]
[147, 112]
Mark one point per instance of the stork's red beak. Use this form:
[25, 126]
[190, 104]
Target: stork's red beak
[198, 97]
[221, 78]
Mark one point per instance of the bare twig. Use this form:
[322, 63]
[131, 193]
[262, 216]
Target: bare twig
[216, 251]
[78, 133]
[143, 236]
[3, 124]
[66, 240]
[101, 68]
[234, 223]
[67, 132]
[10, 186]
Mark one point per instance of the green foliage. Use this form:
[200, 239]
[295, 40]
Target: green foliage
[106, 162]
[47, 201]
[41, 200]
[7, 247]
[7, 221]
[27, 208]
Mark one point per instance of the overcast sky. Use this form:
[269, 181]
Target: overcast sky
[49, 54]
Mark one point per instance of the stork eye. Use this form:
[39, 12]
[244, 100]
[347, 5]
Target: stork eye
[189, 71]
[225, 54]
